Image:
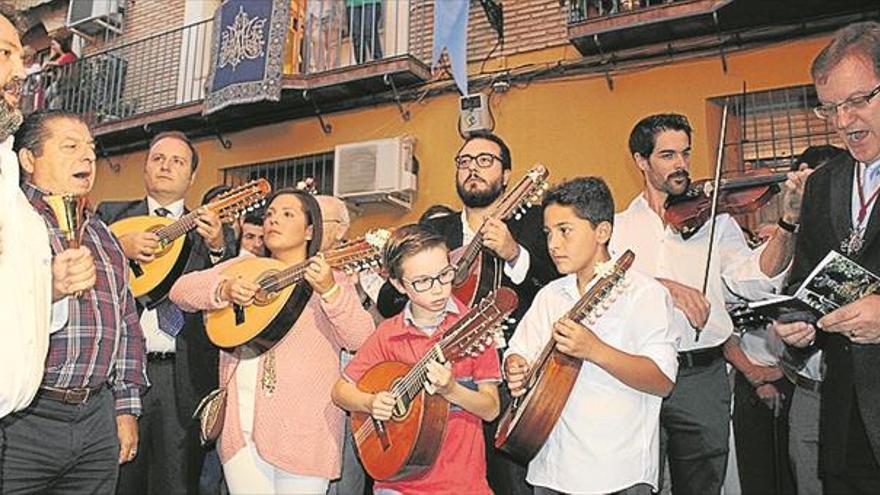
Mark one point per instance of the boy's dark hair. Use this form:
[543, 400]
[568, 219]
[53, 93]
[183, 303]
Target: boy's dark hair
[254, 218]
[643, 136]
[589, 196]
[33, 132]
[406, 241]
[435, 211]
[180, 137]
[816, 155]
[504, 157]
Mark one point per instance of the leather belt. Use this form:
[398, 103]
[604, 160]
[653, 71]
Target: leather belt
[699, 357]
[807, 383]
[159, 356]
[70, 395]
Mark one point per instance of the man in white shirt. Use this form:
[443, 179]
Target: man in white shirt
[607, 437]
[32, 279]
[695, 418]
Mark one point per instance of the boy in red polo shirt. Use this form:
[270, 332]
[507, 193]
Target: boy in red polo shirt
[417, 262]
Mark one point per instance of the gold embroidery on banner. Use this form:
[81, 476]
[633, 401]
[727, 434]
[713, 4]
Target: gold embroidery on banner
[242, 40]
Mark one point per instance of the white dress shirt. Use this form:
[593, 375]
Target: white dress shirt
[25, 291]
[607, 437]
[870, 177]
[157, 340]
[662, 253]
[517, 271]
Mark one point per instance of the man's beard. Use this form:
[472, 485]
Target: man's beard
[671, 188]
[10, 119]
[479, 199]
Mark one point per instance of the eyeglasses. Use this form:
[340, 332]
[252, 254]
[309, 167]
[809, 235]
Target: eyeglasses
[424, 284]
[859, 102]
[483, 160]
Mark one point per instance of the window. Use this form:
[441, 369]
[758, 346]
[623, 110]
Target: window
[767, 131]
[770, 129]
[287, 172]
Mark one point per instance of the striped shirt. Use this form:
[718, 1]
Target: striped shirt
[102, 342]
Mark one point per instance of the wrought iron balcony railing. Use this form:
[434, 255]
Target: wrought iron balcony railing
[582, 10]
[170, 70]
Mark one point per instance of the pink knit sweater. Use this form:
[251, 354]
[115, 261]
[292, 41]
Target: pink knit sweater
[297, 428]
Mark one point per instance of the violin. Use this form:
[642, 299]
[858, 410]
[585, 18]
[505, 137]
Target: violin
[689, 211]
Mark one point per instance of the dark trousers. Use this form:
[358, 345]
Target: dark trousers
[847, 484]
[363, 23]
[353, 480]
[762, 439]
[695, 429]
[504, 474]
[52, 447]
[169, 459]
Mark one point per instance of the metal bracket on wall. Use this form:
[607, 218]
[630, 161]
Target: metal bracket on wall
[325, 126]
[389, 81]
[226, 143]
[115, 167]
[606, 62]
[720, 41]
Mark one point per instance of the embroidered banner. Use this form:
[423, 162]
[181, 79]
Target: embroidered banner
[450, 32]
[247, 53]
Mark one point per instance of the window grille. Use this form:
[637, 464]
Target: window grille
[287, 172]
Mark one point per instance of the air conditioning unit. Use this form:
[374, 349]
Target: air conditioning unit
[91, 17]
[383, 170]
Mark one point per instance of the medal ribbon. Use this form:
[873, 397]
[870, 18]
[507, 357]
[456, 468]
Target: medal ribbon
[863, 210]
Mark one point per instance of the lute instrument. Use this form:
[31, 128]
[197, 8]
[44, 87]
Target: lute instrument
[262, 324]
[528, 420]
[408, 443]
[470, 280]
[150, 282]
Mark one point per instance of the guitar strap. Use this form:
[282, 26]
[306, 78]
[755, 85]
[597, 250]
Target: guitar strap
[303, 292]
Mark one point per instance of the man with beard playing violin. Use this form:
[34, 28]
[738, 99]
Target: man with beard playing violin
[695, 418]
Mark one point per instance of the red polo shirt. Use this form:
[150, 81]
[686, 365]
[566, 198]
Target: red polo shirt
[461, 464]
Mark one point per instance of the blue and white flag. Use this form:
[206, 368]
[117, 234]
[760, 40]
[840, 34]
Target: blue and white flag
[247, 53]
[450, 32]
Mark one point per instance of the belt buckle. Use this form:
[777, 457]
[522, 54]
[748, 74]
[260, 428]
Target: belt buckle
[71, 398]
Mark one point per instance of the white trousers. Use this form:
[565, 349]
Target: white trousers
[247, 472]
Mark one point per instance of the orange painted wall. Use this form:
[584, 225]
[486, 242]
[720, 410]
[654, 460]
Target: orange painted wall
[575, 126]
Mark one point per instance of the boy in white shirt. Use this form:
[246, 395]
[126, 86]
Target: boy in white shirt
[607, 438]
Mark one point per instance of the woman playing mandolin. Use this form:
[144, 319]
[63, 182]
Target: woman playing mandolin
[281, 433]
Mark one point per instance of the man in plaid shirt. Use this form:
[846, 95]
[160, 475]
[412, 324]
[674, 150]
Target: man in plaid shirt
[83, 421]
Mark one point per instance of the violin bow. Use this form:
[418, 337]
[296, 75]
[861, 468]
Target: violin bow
[716, 186]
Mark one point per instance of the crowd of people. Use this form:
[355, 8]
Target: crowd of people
[98, 388]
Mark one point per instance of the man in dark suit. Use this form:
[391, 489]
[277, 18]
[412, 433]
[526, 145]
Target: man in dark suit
[514, 250]
[181, 361]
[840, 213]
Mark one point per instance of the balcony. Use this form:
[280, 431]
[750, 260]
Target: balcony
[335, 58]
[599, 27]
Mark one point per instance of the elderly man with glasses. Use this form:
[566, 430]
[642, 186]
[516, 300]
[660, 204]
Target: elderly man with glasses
[840, 213]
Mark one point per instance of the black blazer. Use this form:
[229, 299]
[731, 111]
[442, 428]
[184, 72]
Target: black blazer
[853, 370]
[527, 231]
[196, 359]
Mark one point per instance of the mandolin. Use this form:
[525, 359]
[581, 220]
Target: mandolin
[529, 419]
[150, 282]
[262, 324]
[469, 276]
[408, 443]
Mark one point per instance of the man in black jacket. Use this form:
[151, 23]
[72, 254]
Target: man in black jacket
[840, 213]
[514, 251]
[181, 362]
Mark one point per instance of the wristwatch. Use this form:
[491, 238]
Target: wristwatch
[788, 227]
